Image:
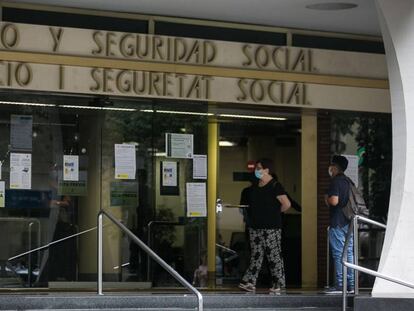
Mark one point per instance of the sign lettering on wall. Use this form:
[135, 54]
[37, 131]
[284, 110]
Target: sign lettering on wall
[277, 58]
[277, 92]
[175, 50]
[157, 48]
[160, 84]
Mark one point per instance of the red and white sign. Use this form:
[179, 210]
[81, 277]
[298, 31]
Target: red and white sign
[251, 165]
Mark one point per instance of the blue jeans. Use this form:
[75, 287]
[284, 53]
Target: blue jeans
[337, 238]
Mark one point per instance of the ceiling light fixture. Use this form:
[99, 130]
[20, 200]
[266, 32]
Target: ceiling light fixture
[252, 117]
[118, 109]
[226, 143]
[219, 115]
[179, 112]
[186, 112]
[80, 107]
[332, 6]
[26, 104]
[97, 108]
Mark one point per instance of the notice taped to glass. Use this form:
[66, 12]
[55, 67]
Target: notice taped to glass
[125, 161]
[21, 132]
[71, 168]
[169, 174]
[20, 171]
[200, 166]
[196, 199]
[179, 145]
[124, 193]
[352, 169]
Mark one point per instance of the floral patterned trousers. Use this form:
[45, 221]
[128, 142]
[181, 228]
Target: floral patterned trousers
[265, 242]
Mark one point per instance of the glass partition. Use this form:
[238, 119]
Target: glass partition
[153, 202]
[65, 157]
[144, 161]
[49, 164]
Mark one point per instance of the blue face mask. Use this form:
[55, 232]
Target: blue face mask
[258, 174]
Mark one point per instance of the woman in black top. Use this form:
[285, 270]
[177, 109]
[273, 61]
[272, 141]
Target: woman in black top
[267, 199]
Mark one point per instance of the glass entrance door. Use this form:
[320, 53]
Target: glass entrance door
[246, 136]
[150, 144]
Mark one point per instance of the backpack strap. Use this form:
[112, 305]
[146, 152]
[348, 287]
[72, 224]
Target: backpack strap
[349, 180]
[295, 205]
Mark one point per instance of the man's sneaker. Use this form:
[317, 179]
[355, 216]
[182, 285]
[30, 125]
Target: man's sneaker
[276, 290]
[333, 291]
[248, 287]
[350, 290]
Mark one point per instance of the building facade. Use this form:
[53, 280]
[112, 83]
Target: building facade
[154, 118]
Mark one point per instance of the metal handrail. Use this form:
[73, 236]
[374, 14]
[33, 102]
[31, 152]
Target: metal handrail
[31, 222]
[226, 249]
[51, 243]
[30, 251]
[235, 205]
[345, 264]
[233, 253]
[356, 253]
[327, 257]
[121, 266]
[145, 248]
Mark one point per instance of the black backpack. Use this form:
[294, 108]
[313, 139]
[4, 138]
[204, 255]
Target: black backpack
[356, 203]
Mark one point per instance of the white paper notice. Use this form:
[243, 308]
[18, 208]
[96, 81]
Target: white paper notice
[2, 194]
[200, 166]
[196, 199]
[352, 169]
[71, 167]
[21, 131]
[125, 161]
[169, 174]
[20, 171]
[179, 145]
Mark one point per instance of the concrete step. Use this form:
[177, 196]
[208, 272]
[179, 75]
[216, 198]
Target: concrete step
[205, 309]
[368, 303]
[150, 301]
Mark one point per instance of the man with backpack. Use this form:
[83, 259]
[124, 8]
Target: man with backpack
[336, 199]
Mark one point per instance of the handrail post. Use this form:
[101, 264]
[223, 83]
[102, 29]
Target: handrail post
[38, 245]
[344, 266]
[29, 259]
[356, 254]
[327, 258]
[100, 250]
[344, 286]
[148, 256]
